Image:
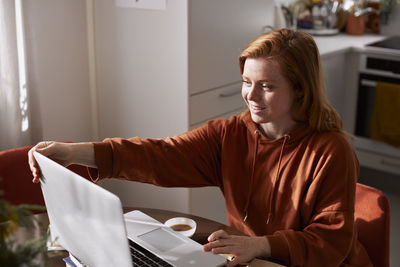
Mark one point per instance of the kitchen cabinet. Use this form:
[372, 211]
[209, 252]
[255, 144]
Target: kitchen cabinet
[341, 69]
[220, 102]
[374, 153]
[340, 62]
[163, 72]
[341, 78]
[334, 77]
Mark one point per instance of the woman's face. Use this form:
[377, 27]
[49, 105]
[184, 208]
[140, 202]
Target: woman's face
[267, 93]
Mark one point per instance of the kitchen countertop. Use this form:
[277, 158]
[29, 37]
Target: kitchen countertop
[330, 45]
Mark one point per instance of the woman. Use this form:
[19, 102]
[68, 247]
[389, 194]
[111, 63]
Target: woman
[286, 170]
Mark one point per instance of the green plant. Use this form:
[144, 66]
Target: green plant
[387, 5]
[13, 217]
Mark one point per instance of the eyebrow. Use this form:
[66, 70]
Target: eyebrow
[260, 81]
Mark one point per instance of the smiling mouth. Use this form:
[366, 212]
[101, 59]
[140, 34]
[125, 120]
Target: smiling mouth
[255, 108]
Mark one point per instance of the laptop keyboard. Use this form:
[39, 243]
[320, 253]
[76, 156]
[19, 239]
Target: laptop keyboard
[143, 257]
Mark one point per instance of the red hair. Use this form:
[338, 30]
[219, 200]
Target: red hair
[298, 57]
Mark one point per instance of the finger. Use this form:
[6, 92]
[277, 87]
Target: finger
[235, 261]
[217, 235]
[222, 250]
[46, 148]
[227, 243]
[231, 263]
[34, 167]
[214, 244]
[36, 175]
[213, 238]
[36, 179]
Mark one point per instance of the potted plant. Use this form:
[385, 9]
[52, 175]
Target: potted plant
[13, 253]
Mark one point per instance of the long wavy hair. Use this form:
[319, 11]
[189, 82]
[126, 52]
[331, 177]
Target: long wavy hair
[298, 57]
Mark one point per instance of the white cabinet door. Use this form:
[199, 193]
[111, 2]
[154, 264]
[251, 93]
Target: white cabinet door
[215, 103]
[208, 202]
[341, 81]
[334, 74]
[218, 31]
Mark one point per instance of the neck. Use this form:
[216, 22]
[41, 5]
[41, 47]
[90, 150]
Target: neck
[274, 131]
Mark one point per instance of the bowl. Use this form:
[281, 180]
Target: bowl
[182, 225]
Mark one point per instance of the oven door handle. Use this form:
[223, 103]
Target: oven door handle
[369, 83]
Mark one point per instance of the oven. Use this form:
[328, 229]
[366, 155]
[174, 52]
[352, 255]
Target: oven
[376, 64]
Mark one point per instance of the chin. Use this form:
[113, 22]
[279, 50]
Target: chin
[257, 119]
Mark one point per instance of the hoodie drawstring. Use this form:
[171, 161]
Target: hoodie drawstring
[274, 184]
[257, 134]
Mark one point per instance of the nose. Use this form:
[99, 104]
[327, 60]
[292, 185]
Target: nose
[253, 93]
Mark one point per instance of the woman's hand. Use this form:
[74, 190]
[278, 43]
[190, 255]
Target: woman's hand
[243, 248]
[63, 153]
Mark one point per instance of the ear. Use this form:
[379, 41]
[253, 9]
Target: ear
[298, 94]
[298, 104]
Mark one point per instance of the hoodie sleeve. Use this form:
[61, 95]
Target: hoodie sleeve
[189, 160]
[327, 211]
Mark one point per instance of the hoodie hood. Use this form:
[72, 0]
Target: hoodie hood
[296, 134]
[288, 139]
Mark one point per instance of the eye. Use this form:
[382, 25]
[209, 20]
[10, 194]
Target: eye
[246, 83]
[266, 86]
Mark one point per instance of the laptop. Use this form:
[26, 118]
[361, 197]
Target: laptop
[89, 223]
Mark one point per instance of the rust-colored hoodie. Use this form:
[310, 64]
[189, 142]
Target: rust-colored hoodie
[298, 190]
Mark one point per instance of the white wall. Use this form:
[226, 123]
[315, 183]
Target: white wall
[59, 78]
[392, 28]
[142, 65]
[58, 69]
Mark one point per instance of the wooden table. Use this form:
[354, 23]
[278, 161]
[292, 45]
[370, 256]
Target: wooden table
[204, 228]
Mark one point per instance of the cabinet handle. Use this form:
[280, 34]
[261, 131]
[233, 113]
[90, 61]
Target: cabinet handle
[229, 94]
[391, 164]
